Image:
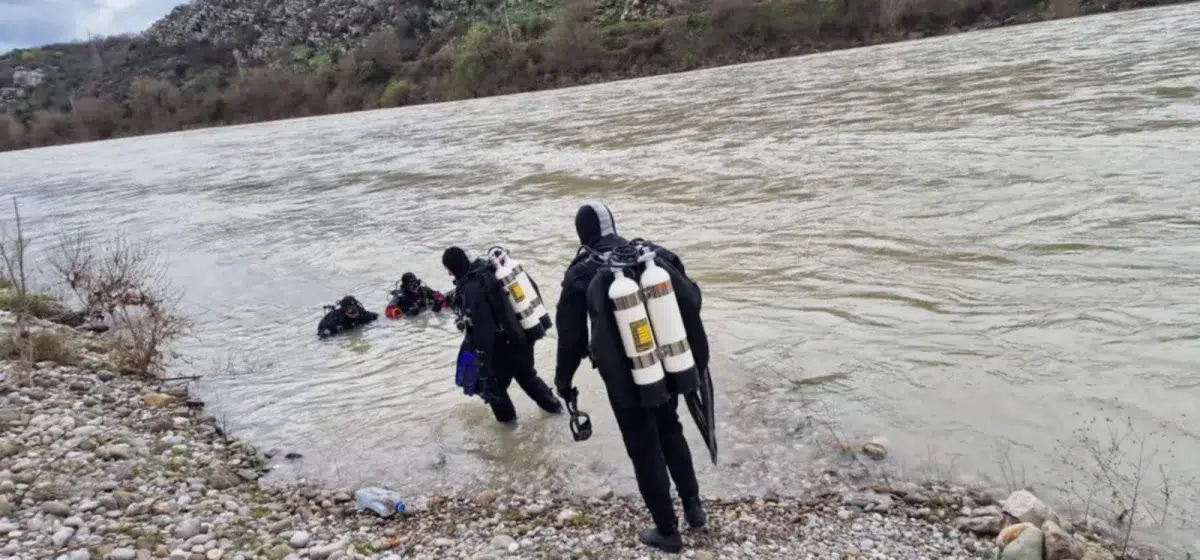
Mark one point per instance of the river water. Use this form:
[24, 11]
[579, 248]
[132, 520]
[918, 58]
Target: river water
[963, 244]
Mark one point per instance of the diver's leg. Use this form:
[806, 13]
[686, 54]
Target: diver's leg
[527, 377]
[639, 432]
[497, 395]
[679, 461]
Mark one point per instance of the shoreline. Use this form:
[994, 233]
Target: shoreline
[606, 54]
[95, 464]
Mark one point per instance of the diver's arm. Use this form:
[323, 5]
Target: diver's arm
[571, 321]
[483, 330]
[436, 300]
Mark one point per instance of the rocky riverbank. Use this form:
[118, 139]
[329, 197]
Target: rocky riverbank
[99, 465]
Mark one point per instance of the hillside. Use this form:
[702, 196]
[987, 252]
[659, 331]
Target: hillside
[217, 62]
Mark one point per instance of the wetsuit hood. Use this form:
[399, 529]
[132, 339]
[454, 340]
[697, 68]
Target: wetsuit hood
[350, 306]
[408, 280]
[457, 262]
[593, 222]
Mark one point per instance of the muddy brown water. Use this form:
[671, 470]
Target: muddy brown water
[964, 244]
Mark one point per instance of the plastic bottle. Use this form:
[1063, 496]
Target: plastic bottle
[379, 500]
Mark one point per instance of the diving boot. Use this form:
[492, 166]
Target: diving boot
[693, 512]
[551, 404]
[671, 543]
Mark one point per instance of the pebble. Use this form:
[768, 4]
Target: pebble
[56, 508]
[187, 493]
[299, 539]
[187, 529]
[61, 536]
[502, 542]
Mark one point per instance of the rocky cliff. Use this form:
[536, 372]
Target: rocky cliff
[211, 39]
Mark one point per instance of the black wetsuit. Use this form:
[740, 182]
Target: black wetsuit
[502, 351]
[653, 435]
[411, 304]
[347, 314]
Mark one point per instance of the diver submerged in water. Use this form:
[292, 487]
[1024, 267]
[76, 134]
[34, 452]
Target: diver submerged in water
[496, 349]
[343, 316]
[649, 346]
[412, 297]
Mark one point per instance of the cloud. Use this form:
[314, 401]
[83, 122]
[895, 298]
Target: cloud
[30, 23]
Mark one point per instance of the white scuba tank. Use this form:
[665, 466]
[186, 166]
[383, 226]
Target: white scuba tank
[669, 329]
[522, 297]
[636, 333]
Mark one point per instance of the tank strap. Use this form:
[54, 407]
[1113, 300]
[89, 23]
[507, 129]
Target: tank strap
[530, 310]
[645, 360]
[658, 290]
[628, 302]
[674, 348]
[512, 276]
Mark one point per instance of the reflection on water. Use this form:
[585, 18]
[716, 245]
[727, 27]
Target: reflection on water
[970, 241]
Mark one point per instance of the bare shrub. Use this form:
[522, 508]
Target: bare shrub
[1123, 476]
[13, 248]
[125, 285]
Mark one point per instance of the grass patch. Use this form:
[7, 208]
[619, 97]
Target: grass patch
[44, 346]
[42, 306]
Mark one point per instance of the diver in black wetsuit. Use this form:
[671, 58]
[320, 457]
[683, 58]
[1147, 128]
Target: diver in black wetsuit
[413, 297]
[652, 432]
[495, 337]
[345, 315]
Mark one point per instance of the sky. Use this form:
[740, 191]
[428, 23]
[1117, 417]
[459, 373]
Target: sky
[31, 23]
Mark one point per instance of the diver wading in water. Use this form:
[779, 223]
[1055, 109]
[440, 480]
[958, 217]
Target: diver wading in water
[649, 346]
[493, 306]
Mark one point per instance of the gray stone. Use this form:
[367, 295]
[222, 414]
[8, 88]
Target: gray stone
[870, 501]
[123, 554]
[502, 542]
[981, 525]
[61, 536]
[1027, 546]
[81, 554]
[187, 529]
[325, 551]
[56, 508]
[299, 539]
[1059, 544]
[1026, 507]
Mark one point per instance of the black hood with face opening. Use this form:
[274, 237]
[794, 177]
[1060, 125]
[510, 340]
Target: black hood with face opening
[593, 222]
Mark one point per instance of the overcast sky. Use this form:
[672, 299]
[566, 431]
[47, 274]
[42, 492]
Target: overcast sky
[30, 23]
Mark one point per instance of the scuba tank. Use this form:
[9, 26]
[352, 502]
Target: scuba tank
[652, 329]
[637, 336]
[522, 298]
[667, 321]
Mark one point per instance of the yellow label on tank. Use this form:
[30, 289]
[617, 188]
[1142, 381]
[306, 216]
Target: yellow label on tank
[517, 293]
[643, 340]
